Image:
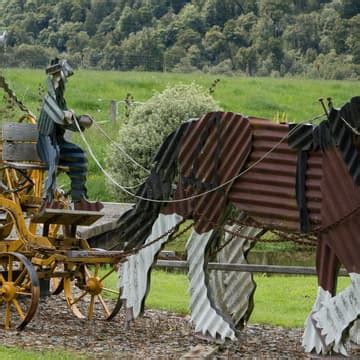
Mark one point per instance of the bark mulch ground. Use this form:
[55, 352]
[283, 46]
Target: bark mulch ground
[158, 334]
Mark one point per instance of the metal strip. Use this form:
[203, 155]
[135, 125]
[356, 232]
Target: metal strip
[134, 273]
[206, 317]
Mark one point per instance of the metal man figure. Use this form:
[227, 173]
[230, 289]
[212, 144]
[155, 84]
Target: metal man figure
[55, 118]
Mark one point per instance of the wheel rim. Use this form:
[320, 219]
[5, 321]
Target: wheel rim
[89, 296]
[19, 291]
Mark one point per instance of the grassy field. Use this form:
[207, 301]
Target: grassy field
[7, 353]
[279, 300]
[92, 91]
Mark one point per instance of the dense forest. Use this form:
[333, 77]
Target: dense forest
[313, 38]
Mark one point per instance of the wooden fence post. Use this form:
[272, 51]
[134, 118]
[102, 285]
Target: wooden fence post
[113, 110]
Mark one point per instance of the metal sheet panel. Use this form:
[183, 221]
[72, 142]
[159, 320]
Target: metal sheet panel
[134, 273]
[233, 291]
[219, 155]
[340, 212]
[206, 317]
[338, 313]
[267, 190]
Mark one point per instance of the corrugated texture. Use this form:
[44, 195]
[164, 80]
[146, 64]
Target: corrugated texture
[267, 190]
[341, 198]
[311, 340]
[233, 291]
[338, 313]
[300, 136]
[205, 316]
[135, 225]
[344, 141]
[217, 157]
[134, 273]
[355, 332]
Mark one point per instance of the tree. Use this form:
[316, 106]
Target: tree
[187, 38]
[303, 34]
[191, 18]
[78, 42]
[217, 12]
[143, 51]
[215, 45]
[245, 60]
[349, 8]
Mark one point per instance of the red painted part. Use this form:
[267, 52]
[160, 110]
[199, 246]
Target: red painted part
[235, 145]
[267, 191]
[341, 197]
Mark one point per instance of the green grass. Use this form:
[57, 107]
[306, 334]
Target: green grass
[91, 92]
[279, 300]
[12, 353]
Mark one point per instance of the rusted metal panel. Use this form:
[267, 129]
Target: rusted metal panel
[208, 161]
[341, 202]
[267, 190]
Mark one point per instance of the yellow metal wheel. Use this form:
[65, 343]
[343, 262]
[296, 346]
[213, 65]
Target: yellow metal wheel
[88, 297]
[19, 290]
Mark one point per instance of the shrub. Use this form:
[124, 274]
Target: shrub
[147, 127]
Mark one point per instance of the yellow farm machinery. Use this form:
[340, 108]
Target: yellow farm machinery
[39, 245]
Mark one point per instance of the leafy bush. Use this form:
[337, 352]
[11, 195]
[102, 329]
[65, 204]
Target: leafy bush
[147, 127]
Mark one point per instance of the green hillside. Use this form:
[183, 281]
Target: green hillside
[311, 38]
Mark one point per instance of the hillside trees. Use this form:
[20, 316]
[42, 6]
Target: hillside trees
[264, 37]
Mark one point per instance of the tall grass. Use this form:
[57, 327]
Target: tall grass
[91, 92]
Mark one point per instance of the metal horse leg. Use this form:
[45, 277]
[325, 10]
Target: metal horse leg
[316, 335]
[233, 291]
[134, 274]
[206, 317]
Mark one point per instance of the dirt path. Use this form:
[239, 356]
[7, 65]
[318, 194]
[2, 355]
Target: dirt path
[157, 335]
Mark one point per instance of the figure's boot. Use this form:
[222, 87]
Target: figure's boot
[48, 203]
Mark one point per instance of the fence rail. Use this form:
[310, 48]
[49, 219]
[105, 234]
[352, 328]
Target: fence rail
[271, 269]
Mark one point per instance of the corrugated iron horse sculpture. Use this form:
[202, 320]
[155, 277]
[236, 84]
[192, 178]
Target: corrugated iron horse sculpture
[296, 179]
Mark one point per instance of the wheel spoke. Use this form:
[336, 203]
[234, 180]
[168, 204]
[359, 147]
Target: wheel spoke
[91, 307]
[10, 268]
[110, 291]
[20, 277]
[107, 274]
[87, 271]
[78, 299]
[23, 293]
[18, 309]
[2, 278]
[97, 267]
[106, 309]
[7, 316]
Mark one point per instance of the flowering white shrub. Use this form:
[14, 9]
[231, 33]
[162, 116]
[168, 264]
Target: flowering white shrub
[148, 126]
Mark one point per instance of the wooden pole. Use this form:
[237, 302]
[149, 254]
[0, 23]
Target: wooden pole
[113, 110]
